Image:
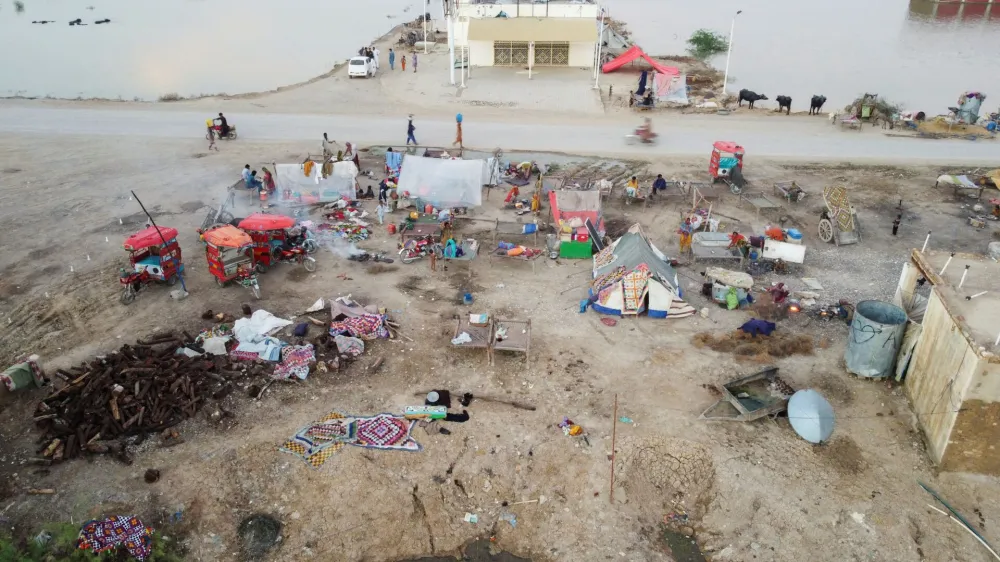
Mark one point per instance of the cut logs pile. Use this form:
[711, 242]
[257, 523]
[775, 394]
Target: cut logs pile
[138, 390]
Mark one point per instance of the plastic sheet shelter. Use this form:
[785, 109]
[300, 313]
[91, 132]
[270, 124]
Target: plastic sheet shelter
[567, 205]
[441, 182]
[670, 88]
[314, 188]
[635, 53]
[150, 237]
[632, 276]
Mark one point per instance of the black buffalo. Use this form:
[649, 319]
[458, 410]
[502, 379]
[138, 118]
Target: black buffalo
[816, 104]
[748, 96]
[784, 102]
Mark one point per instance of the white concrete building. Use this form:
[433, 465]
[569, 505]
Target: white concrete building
[526, 34]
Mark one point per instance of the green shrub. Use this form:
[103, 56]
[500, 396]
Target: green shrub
[704, 43]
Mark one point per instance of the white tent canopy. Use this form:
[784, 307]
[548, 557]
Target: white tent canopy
[631, 276]
[441, 182]
[341, 184]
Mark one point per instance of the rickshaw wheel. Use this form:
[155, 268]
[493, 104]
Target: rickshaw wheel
[825, 230]
[309, 264]
[127, 296]
[220, 282]
[172, 280]
[260, 267]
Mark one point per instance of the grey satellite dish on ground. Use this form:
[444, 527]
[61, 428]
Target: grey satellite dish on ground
[811, 416]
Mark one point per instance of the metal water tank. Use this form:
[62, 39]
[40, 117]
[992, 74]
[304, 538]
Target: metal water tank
[875, 337]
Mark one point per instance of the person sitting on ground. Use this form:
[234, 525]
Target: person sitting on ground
[648, 100]
[369, 194]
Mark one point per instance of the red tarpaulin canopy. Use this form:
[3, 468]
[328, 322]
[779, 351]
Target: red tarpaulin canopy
[264, 221]
[633, 53]
[149, 237]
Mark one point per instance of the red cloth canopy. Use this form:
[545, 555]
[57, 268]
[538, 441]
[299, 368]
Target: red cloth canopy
[150, 237]
[264, 221]
[633, 53]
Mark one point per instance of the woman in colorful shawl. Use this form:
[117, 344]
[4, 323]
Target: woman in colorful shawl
[268, 180]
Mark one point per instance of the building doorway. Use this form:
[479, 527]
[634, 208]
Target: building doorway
[510, 53]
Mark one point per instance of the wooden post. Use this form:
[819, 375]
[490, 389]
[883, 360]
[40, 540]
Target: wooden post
[614, 435]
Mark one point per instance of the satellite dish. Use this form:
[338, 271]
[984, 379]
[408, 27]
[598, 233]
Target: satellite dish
[811, 416]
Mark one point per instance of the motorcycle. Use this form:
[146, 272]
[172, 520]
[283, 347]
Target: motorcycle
[218, 132]
[636, 137]
[294, 254]
[307, 241]
[416, 249]
[248, 280]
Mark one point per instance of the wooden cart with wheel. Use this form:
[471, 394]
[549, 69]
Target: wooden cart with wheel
[839, 221]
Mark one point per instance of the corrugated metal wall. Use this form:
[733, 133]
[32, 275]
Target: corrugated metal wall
[942, 366]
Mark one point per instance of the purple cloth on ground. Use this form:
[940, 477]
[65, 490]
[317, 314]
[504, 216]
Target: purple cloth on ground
[756, 326]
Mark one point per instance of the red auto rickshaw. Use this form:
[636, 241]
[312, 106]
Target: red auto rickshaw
[154, 255]
[229, 252]
[272, 243]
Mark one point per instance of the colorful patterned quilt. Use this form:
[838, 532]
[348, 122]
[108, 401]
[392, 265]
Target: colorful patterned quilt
[318, 441]
[366, 327]
[100, 536]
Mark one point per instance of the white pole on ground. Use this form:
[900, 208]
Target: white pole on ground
[946, 264]
[597, 61]
[964, 273]
[729, 54]
[926, 240]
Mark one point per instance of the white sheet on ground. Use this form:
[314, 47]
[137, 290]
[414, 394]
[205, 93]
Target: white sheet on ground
[260, 324]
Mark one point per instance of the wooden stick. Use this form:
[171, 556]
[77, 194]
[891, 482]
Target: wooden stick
[614, 436]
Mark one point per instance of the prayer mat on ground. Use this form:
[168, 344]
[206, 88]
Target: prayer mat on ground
[366, 327]
[295, 360]
[318, 441]
[100, 536]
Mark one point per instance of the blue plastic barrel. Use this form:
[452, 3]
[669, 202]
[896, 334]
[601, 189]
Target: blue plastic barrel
[529, 228]
[467, 298]
[458, 117]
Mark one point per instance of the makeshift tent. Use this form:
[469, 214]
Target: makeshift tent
[295, 186]
[670, 88]
[631, 276]
[443, 183]
[567, 205]
[968, 106]
[634, 53]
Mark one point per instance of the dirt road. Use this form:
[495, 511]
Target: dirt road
[681, 135]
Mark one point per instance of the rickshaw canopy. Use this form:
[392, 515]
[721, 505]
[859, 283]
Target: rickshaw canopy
[227, 236]
[263, 221]
[149, 237]
[728, 146]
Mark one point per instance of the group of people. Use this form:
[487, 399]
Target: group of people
[402, 60]
[632, 186]
[252, 182]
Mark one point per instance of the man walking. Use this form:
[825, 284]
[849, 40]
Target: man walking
[413, 56]
[392, 59]
[211, 135]
[409, 132]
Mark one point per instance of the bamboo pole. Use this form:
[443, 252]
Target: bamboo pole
[614, 435]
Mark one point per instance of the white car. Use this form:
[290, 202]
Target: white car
[360, 66]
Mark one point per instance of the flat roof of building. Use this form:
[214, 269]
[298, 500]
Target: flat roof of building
[981, 314]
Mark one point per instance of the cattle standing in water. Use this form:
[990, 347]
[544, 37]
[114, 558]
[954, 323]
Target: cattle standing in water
[784, 102]
[747, 95]
[816, 105]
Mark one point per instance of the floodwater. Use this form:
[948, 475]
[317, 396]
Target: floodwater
[900, 49]
[189, 47]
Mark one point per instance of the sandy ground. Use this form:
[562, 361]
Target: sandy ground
[752, 491]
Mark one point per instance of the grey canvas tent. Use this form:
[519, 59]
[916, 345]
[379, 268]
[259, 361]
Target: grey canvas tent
[632, 276]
